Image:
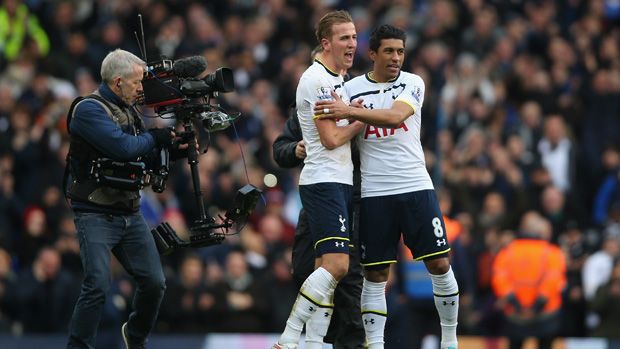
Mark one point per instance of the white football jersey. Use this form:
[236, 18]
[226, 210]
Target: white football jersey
[321, 164]
[392, 159]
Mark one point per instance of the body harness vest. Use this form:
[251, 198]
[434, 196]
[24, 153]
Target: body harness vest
[81, 157]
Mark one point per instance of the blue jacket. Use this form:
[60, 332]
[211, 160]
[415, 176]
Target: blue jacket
[127, 142]
[91, 122]
[607, 196]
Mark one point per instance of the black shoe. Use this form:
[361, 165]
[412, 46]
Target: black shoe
[128, 344]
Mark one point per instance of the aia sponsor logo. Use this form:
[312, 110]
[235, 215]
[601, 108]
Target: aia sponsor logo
[380, 132]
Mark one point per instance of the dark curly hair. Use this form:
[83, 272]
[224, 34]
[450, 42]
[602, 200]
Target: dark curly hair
[385, 31]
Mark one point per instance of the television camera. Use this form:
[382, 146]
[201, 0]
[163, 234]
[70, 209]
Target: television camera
[182, 90]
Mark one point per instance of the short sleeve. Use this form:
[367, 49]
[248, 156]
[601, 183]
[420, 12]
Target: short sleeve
[413, 93]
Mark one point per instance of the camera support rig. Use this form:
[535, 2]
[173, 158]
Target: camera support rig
[202, 232]
[174, 88]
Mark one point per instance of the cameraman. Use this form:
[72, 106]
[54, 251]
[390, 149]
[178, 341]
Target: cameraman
[107, 125]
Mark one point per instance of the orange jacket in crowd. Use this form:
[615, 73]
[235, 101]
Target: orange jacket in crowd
[531, 272]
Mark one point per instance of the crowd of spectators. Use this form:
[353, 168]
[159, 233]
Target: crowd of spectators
[522, 112]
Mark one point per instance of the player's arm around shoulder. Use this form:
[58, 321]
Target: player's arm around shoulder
[391, 118]
[401, 109]
[333, 136]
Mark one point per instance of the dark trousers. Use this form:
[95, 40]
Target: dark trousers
[544, 327]
[345, 329]
[129, 238]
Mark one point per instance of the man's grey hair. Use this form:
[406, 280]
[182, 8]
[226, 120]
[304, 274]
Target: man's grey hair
[119, 63]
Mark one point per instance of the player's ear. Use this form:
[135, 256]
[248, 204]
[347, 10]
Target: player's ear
[372, 54]
[325, 43]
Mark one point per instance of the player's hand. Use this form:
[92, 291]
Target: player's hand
[358, 103]
[300, 150]
[333, 109]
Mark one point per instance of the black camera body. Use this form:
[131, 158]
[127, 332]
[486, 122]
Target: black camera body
[181, 89]
[168, 82]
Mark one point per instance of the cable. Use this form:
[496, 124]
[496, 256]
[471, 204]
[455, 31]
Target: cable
[245, 167]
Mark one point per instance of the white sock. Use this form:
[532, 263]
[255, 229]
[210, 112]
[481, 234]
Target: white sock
[318, 324]
[446, 294]
[374, 313]
[318, 286]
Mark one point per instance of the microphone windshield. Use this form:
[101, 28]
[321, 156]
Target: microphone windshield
[189, 67]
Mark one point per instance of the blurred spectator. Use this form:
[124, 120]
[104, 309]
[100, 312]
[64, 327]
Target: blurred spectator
[529, 276]
[256, 250]
[597, 267]
[68, 246]
[597, 271]
[558, 153]
[170, 34]
[560, 211]
[44, 294]
[281, 290]
[11, 205]
[20, 30]
[188, 306]
[608, 194]
[509, 181]
[275, 232]
[494, 212]
[68, 62]
[466, 82]
[574, 306]
[240, 299]
[485, 318]
[7, 282]
[600, 122]
[472, 176]
[35, 235]
[481, 36]
[7, 103]
[529, 127]
[606, 304]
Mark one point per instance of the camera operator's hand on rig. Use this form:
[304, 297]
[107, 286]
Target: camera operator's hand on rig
[163, 136]
[180, 145]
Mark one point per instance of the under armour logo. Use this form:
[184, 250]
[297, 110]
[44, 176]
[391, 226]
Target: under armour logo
[339, 243]
[325, 314]
[311, 308]
[366, 321]
[342, 220]
[451, 303]
[441, 242]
